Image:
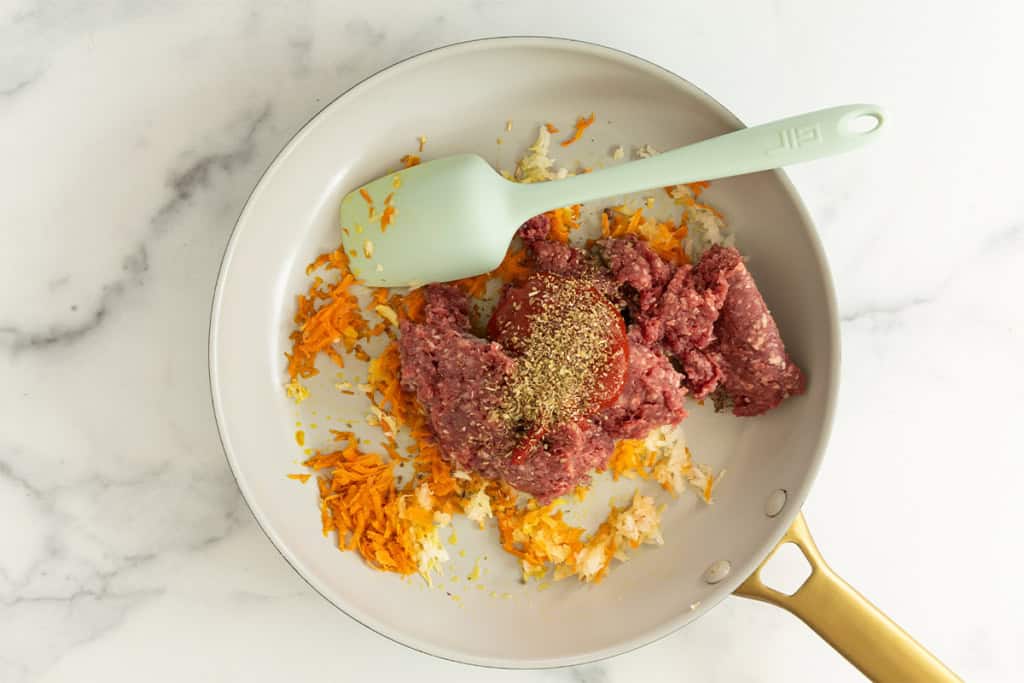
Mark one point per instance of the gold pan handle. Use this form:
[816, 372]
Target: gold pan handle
[846, 620]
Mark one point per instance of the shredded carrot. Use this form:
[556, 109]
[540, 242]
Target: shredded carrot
[551, 128]
[324, 259]
[300, 477]
[562, 222]
[538, 536]
[412, 306]
[387, 389]
[513, 268]
[385, 218]
[343, 435]
[401, 406]
[475, 286]
[631, 459]
[365, 195]
[359, 501]
[664, 237]
[581, 125]
[698, 187]
[378, 297]
[695, 191]
[359, 497]
[392, 451]
[410, 160]
[326, 315]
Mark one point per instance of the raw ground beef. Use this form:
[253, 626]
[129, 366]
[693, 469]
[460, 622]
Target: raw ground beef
[757, 373]
[700, 329]
[652, 396]
[547, 256]
[459, 379]
[560, 259]
[566, 458]
[535, 229]
[633, 264]
[667, 309]
[711, 319]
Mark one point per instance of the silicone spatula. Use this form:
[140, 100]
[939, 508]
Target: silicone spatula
[455, 217]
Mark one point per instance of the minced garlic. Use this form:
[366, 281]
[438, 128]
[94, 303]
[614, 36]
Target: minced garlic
[388, 313]
[645, 152]
[478, 507]
[296, 391]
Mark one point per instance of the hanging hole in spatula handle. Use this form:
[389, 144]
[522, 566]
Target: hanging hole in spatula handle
[863, 122]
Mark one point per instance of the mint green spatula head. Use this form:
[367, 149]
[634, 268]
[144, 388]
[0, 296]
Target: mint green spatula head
[454, 217]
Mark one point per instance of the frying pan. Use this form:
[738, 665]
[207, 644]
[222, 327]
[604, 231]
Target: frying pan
[488, 97]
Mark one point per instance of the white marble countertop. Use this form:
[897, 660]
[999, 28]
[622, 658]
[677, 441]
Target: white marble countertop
[130, 136]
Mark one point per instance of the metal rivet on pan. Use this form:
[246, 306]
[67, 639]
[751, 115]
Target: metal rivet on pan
[776, 501]
[717, 571]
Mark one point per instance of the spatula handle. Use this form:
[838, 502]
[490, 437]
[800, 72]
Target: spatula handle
[771, 145]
